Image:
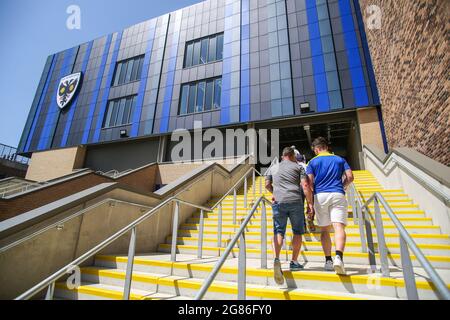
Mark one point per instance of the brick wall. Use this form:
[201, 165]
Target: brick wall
[410, 54]
[141, 180]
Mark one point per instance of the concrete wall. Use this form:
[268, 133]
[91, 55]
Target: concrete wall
[28, 263]
[411, 60]
[395, 173]
[52, 164]
[10, 168]
[122, 156]
[354, 148]
[369, 127]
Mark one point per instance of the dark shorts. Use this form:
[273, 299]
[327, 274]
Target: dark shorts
[294, 211]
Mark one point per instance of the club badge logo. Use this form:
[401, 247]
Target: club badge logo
[67, 88]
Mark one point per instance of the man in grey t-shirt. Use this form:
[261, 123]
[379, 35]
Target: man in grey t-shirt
[285, 181]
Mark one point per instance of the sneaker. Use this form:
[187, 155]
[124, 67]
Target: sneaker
[329, 266]
[295, 266]
[339, 266]
[277, 273]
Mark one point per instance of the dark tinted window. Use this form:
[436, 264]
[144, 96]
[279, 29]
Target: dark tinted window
[200, 96]
[119, 112]
[202, 51]
[128, 71]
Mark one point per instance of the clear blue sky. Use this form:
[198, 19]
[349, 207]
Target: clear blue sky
[30, 30]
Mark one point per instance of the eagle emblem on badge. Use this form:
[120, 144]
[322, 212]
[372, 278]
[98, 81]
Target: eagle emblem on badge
[67, 88]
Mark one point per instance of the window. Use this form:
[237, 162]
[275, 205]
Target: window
[202, 51]
[128, 71]
[219, 45]
[209, 94]
[189, 54]
[200, 96]
[217, 93]
[119, 112]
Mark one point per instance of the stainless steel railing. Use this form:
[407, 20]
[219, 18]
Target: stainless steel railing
[65, 220]
[240, 235]
[19, 188]
[10, 153]
[407, 243]
[50, 281]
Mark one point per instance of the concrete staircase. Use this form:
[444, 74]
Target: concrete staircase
[156, 277]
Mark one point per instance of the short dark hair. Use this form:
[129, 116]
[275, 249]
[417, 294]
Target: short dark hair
[288, 152]
[320, 143]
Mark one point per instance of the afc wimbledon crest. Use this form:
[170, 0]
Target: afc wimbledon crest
[67, 88]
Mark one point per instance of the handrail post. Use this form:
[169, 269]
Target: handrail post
[370, 245]
[352, 199]
[242, 268]
[261, 186]
[200, 235]
[361, 220]
[245, 192]
[253, 185]
[382, 249]
[263, 236]
[234, 205]
[50, 291]
[219, 227]
[408, 271]
[173, 251]
[130, 263]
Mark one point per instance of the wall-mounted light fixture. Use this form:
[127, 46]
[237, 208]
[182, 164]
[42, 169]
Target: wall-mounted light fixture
[123, 133]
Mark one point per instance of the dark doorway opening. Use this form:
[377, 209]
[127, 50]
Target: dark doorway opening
[343, 135]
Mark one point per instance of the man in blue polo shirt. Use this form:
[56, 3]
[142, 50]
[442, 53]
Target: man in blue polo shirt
[330, 174]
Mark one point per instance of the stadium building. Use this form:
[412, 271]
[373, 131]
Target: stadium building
[105, 211]
[302, 67]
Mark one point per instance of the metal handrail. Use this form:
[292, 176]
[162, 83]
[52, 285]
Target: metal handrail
[406, 242]
[65, 220]
[240, 235]
[49, 282]
[18, 189]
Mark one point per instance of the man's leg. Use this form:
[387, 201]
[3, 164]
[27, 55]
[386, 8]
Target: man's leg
[277, 244]
[279, 230]
[326, 240]
[297, 218]
[340, 236]
[339, 218]
[296, 246]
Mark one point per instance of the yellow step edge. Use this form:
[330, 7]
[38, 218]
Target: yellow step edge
[220, 288]
[393, 235]
[105, 293]
[313, 253]
[317, 243]
[383, 219]
[258, 215]
[305, 275]
[237, 226]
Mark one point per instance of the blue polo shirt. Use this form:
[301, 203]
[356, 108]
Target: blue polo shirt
[327, 169]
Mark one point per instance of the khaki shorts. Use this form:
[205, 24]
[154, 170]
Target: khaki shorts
[330, 208]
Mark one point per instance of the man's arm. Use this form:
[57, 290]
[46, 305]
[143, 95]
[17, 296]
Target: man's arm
[348, 178]
[348, 175]
[269, 185]
[307, 190]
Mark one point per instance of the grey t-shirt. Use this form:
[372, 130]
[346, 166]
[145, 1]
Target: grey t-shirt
[286, 177]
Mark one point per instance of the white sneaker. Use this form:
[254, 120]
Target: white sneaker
[329, 266]
[277, 273]
[339, 266]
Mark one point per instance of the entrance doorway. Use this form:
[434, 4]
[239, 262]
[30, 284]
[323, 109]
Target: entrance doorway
[343, 135]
